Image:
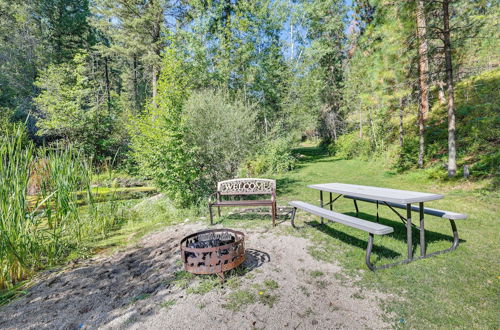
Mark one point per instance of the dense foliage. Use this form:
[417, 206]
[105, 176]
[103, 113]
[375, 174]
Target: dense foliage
[189, 92]
[41, 218]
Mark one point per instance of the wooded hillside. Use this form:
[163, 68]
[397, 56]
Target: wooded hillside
[190, 92]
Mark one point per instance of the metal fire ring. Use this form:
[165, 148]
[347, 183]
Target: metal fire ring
[213, 260]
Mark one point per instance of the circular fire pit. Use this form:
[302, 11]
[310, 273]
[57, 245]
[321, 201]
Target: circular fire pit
[213, 251]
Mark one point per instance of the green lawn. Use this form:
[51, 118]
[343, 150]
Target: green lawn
[460, 289]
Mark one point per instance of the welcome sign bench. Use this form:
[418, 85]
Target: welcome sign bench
[242, 187]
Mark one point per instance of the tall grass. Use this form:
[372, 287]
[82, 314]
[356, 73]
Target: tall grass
[37, 235]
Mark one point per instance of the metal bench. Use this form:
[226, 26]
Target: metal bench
[241, 187]
[372, 228]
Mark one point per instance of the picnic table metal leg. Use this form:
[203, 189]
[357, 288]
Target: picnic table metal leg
[422, 230]
[331, 203]
[369, 252]
[292, 220]
[408, 231]
[321, 201]
[378, 219]
[356, 206]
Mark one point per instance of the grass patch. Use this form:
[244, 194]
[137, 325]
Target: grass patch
[205, 286]
[167, 304]
[182, 279]
[454, 290]
[271, 284]
[267, 299]
[316, 273]
[238, 299]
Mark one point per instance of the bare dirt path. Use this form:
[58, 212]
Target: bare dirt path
[137, 289]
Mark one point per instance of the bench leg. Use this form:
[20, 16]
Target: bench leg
[211, 214]
[273, 214]
[321, 201]
[422, 230]
[356, 206]
[454, 245]
[409, 231]
[293, 217]
[369, 252]
[218, 210]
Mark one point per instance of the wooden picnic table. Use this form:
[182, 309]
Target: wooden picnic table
[393, 198]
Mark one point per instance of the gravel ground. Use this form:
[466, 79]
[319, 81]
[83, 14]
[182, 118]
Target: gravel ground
[283, 287]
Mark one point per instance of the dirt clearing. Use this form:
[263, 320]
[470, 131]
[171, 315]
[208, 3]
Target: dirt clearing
[144, 288]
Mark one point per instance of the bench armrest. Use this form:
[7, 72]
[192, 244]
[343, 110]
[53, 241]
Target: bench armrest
[211, 198]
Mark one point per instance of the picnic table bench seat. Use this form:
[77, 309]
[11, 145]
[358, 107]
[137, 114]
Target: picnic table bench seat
[427, 210]
[372, 228]
[242, 187]
[368, 226]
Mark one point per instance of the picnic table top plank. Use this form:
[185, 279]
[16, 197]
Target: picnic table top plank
[377, 193]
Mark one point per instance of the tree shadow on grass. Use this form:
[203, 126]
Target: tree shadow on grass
[400, 229]
[378, 250]
[283, 185]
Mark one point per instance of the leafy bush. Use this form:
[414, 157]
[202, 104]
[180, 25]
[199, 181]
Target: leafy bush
[349, 146]
[221, 133]
[275, 156]
[158, 137]
[407, 156]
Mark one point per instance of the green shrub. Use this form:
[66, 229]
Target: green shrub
[407, 156]
[275, 157]
[158, 137]
[350, 146]
[221, 132]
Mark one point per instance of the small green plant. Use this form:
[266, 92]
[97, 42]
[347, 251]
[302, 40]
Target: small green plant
[357, 295]
[205, 285]
[304, 290]
[182, 279]
[267, 299]
[167, 304]
[141, 296]
[236, 300]
[271, 284]
[316, 273]
[233, 283]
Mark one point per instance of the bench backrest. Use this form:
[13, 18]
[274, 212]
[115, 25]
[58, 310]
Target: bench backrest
[247, 186]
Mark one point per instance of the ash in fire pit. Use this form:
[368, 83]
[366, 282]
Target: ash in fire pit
[211, 239]
[213, 251]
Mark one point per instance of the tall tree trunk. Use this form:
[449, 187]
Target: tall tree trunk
[156, 45]
[423, 69]
[441, 96]
[401, 132]
[452, 165]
